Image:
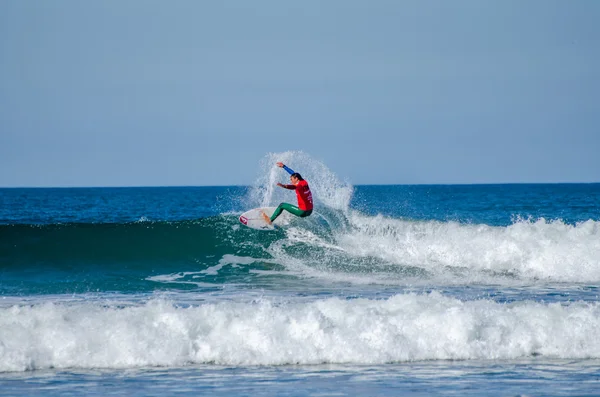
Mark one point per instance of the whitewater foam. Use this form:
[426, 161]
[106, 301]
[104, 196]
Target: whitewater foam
[269, 332]
[526, 249]
[195, 277]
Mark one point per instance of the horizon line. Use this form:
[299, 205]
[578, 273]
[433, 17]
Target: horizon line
[363, 184]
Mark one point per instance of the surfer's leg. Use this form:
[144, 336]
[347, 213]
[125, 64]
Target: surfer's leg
[277, 212]
[289, 208]
[305, 213]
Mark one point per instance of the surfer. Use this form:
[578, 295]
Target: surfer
[305, 202]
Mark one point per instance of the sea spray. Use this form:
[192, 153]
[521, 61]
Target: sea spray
[327, 189]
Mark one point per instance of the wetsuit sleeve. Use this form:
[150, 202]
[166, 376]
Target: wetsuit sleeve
[288, 169]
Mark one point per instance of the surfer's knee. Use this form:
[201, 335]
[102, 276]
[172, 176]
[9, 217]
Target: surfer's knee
[306, 213]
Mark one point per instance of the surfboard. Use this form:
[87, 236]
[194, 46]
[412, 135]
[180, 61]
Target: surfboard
[255, 218]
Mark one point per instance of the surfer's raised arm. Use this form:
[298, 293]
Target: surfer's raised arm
[290, 171]
[285, 167]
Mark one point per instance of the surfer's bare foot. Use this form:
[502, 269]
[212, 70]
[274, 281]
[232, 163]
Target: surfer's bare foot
[267, 219]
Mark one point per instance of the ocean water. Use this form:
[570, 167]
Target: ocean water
[383, 291]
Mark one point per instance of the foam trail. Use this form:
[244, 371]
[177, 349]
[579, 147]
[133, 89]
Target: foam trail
[401, 328]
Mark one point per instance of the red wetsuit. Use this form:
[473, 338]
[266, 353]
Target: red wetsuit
[305, 201]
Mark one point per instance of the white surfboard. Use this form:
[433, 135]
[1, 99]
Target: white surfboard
[255, 218]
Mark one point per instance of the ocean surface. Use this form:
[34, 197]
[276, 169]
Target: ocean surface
[421, 290]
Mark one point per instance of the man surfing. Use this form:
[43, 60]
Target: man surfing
[305, 202]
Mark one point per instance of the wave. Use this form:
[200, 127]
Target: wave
[120, 257]
[335, 246]
[402, 328]
[118, 243]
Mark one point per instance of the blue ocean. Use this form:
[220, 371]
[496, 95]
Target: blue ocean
[388, 290]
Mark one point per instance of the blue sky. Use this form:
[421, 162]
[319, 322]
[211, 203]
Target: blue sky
[130, 93]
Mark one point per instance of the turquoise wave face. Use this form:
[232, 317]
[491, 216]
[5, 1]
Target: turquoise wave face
[84, 257]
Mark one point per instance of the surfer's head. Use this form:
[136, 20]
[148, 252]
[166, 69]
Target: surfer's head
[296, 177]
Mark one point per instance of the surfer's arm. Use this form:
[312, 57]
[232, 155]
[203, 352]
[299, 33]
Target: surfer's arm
[285, 167]
[291, 187]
